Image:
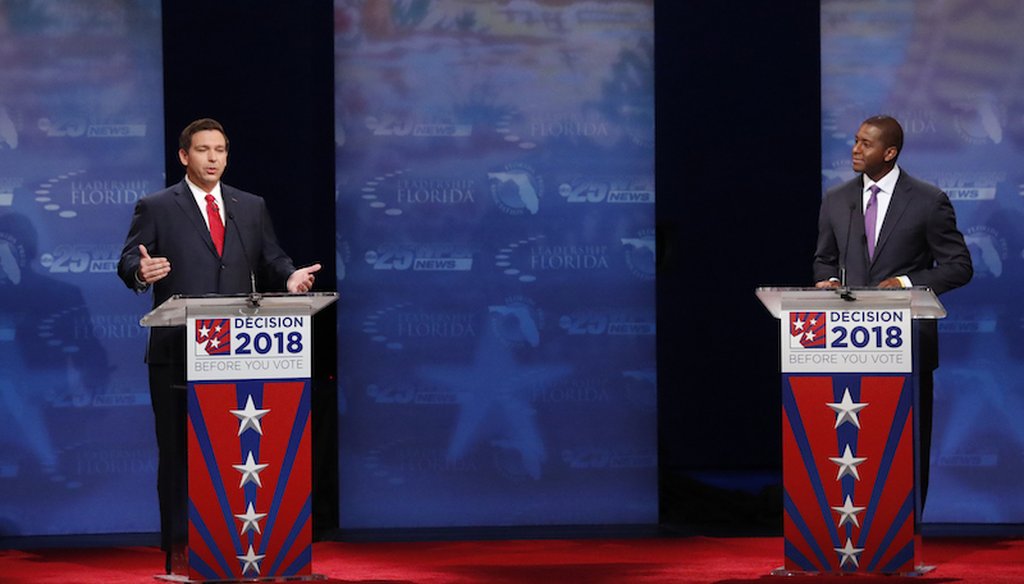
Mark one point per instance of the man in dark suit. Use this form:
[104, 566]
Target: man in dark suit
[914, 242]
[199, 236]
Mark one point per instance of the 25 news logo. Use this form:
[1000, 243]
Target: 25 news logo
[79, 259]
[439, 257]
[213, 337]
[583, 190]
[807, 330]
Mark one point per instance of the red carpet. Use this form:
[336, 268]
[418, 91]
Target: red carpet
[643, 561]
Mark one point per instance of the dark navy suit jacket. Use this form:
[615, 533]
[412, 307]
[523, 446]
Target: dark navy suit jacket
[170, 224]
[918, 239]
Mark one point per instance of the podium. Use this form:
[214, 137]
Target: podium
[850, 433]
[249, 503]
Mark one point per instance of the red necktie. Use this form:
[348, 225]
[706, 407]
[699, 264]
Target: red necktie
[216, 225]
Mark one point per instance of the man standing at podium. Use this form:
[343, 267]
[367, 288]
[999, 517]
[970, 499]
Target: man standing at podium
[887, 229]
[199, 236]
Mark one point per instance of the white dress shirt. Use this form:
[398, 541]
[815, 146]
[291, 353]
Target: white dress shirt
[200, 197]
[887, 185]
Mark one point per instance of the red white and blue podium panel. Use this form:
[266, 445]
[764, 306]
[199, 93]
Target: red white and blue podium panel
[249, 479]
[848, 442]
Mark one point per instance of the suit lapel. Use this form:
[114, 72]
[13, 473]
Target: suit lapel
[897, 205]
[231, 209]
[187, 204]
[857, 243]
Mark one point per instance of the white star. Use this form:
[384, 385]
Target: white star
[203, 332]
[847, 464]
[798, 324]
[846, 410]
[251, 520]
[214, 343]
[249, 417]
[809, 336]
[250, 471]
[848, 513]
[849, 553]
[252, 560]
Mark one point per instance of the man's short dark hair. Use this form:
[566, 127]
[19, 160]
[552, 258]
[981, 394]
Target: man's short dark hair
[200, 125]
[892, 131]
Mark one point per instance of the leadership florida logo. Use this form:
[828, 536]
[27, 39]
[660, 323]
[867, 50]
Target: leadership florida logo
[807, 330]
[213, 337]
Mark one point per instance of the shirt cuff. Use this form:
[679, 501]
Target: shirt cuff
[140, 285]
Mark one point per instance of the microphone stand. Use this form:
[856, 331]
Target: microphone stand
[844, 290]
[254, 298]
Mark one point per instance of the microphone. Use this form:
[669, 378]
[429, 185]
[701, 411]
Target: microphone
[844, 290]
[254, 296]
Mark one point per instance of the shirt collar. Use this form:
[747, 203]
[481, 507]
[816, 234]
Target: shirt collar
[200, 194]
[887, 183]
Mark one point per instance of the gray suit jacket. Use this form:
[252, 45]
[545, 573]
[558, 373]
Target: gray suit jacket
[170, 224]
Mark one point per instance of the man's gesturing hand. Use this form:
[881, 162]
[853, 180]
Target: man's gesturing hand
[301, 280]
[152, 269]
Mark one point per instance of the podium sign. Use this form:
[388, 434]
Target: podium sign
[262, 346]
[849, 434]
[860, 340]
[248, 365]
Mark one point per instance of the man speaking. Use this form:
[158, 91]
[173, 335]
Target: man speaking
[199, 236]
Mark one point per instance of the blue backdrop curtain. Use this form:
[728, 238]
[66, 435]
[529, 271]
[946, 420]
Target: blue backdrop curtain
[948, 72]
[81, 139]
[495, 252]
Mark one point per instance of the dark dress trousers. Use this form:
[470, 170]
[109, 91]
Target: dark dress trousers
[170, 224]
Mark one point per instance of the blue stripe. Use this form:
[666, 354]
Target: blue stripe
[301, 419]
[803, 443]
[249, 441]
[801, 526]
[885, 465]
[798, 558]
[897, 523]
[195, 414]
[207, 537]
[847, 434]
[905, 555]
[196, 563]
[301, 561]
[300, 521]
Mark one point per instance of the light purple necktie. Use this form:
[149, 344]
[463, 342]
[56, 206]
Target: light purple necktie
[870, 217]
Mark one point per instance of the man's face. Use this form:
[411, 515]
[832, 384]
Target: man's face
[870, 154]
[205, 159]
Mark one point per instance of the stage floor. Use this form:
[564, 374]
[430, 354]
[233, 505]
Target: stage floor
[689, 560]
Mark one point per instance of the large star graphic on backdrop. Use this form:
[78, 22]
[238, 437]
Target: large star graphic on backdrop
[494, 396]
[848, 513]
[250, 471]
[251, 520]
[846, 410]
[249, 417]
[849, 553]
[847, 464]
